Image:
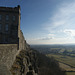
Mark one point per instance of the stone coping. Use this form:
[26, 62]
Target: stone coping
[8, 44]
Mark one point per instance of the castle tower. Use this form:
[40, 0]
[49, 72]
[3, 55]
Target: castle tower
[9, 25]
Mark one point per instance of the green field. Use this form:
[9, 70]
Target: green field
[70, 73]
[64, 59]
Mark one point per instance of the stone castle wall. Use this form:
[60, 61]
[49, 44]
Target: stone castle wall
[10, 25]
[22, 42]
[8, 54]
[16, 59]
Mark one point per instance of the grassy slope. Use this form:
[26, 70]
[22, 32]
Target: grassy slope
[70, 73]
[65, 59]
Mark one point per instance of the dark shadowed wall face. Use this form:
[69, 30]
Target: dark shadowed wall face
[9, 24]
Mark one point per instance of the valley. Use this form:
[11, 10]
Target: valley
[64, 54]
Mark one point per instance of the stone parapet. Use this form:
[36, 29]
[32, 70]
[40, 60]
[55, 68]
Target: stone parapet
[8, 54]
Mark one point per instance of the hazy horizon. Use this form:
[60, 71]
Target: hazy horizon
[54, 44]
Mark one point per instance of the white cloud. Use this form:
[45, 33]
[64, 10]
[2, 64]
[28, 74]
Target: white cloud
[62, 23]
[63, 18]
[70, 32]
[51, 35]
[45, 38]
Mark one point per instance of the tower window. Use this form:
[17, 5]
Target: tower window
[6, 27]
[7, 17]
[0, 17]
[13, 18]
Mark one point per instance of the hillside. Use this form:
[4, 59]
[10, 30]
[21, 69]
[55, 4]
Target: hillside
[32, 63]
[64, 54]
[27, 62]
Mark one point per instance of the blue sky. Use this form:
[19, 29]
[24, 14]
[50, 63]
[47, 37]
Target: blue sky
[46, 21]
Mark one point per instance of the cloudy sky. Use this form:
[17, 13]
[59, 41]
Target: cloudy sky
[46, 21]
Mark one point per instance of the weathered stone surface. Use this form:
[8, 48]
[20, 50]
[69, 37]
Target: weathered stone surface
[23, 65]
[8, 54]
[15, 54]
[4, 70]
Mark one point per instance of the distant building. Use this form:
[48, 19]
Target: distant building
[9, 25]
